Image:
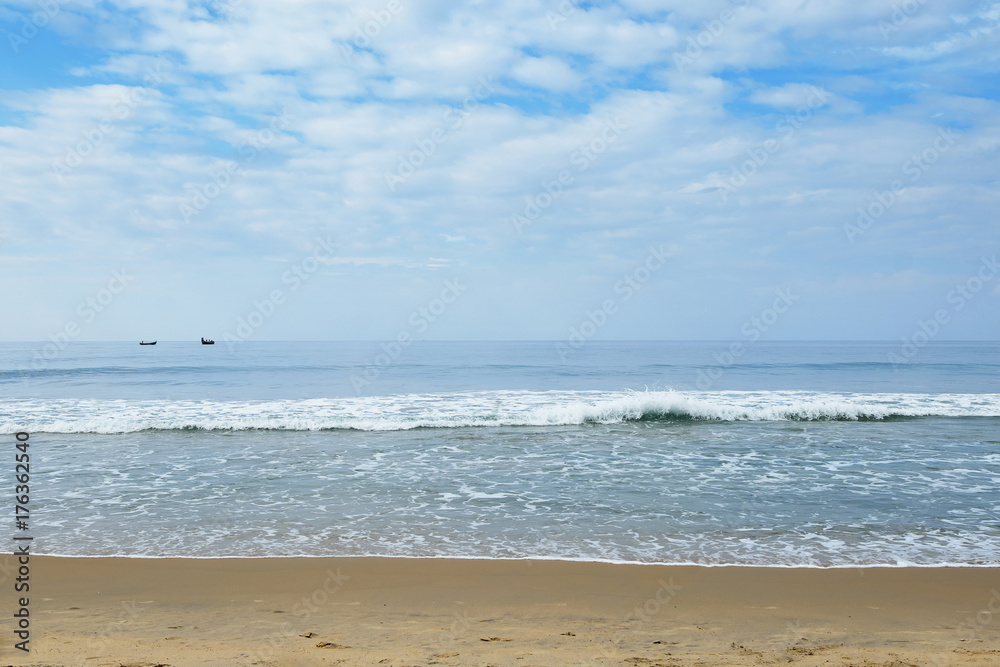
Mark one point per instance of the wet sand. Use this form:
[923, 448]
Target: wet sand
[395, 612]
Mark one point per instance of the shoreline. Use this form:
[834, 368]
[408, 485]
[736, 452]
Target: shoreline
[540, 559]
[405, 611]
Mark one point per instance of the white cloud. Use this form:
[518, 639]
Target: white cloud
[790, 96]
[548, 73]
[355, 116]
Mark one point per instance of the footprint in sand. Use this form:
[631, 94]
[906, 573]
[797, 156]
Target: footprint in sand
[811, 650]
[743, 650]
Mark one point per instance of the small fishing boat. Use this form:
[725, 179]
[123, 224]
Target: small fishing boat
[142, 342]
[206, 341]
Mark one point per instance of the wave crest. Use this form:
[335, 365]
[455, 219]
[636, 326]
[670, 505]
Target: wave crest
[479, 409]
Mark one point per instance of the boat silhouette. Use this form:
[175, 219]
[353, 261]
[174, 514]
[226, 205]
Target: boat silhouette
[145, 343]
[206, 341]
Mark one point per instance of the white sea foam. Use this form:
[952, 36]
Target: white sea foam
[478, 409]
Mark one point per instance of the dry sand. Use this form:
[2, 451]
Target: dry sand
[382, 611]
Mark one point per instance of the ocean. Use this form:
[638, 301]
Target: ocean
[803, 454]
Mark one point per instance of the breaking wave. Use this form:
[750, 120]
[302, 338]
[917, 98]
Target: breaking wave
[479, 409]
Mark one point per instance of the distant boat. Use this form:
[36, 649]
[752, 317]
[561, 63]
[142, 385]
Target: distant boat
[145, 343]
[206, 341]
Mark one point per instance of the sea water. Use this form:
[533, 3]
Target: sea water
[789, 454]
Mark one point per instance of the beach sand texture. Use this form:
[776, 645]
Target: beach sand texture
[395, 612]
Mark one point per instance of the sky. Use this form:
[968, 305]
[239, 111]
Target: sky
[543, 170]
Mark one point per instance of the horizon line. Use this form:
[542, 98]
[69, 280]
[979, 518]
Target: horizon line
[521, 340]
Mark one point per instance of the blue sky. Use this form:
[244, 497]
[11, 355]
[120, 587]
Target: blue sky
[319, 170]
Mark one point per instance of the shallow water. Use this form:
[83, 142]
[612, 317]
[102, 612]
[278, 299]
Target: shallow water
[800, 455]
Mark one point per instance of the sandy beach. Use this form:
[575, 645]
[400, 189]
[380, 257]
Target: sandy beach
[384, 611]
